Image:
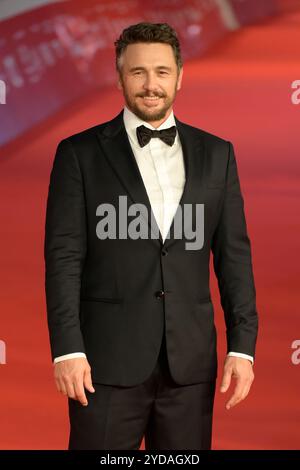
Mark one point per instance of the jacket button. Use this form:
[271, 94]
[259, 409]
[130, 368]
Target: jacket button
[164, 251]
[159, 294]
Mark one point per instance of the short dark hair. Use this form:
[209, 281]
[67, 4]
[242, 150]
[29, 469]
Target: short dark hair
[148, 32]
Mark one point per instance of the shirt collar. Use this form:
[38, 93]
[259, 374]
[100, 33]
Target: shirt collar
[132, 121]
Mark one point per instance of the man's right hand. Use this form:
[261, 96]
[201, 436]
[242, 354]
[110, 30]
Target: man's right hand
[71, 376]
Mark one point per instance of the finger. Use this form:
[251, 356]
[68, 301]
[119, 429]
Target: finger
[247, 383]
[226, 379]
[57, 385]
[239, 391]
[247, 390]
[87, 380]
[79, 391]
[70, 389]
[61, 386]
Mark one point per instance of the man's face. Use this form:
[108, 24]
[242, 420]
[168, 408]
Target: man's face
[149, 80]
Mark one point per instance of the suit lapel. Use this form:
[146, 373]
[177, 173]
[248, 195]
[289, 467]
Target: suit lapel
[193, 154]
[117, 149]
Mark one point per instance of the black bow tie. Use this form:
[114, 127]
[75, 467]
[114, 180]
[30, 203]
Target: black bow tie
[144, 134]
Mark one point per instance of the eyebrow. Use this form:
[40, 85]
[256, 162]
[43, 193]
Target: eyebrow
[133, 69]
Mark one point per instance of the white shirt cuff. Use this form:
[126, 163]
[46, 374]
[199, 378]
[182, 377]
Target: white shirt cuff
[244, 356]
[68, 356]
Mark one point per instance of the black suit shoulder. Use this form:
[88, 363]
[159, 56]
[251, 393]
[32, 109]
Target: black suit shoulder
[86, 134]
[207, 136]
[215, 145]
[84, 143]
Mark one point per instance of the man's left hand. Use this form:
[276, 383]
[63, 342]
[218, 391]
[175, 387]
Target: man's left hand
[242, 370]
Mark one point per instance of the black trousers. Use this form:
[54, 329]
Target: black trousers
[170, 416]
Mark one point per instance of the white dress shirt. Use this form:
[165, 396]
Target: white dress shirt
[163, 173]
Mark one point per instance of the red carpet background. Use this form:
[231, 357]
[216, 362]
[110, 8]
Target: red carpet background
[240, 90]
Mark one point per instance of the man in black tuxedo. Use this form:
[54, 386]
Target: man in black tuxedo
[135, 206]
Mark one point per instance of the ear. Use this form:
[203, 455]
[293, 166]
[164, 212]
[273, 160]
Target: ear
[119, 81]
[179, 80]
[119, 84]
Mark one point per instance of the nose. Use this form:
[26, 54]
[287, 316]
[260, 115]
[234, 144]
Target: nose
[150, 83]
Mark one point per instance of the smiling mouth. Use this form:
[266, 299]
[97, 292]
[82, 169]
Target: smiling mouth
[151, 99]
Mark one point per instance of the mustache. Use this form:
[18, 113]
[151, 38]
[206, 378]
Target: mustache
[151, 96]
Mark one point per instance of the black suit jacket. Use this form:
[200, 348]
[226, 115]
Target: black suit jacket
[113, 298]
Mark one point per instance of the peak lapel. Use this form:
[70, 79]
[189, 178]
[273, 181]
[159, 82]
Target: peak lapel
[193, 154]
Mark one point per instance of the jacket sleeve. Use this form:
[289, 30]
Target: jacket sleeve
[64, 251]
[233, 266]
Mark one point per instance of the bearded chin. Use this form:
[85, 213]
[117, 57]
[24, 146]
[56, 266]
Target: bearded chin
[150, 116]
[145, 115]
